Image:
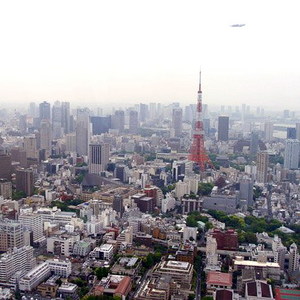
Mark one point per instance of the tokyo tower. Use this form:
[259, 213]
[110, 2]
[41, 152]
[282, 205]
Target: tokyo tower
[197, 152]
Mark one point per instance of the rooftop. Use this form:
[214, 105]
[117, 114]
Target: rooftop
[218, 278]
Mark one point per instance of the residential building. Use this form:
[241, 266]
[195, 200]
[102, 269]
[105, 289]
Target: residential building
[34, 223]
[262, 166]
[62, 268]
[291, 154]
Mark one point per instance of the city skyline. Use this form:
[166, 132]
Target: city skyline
[129, 53]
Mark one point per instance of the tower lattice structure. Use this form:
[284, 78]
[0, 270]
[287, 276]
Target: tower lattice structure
[197, 151]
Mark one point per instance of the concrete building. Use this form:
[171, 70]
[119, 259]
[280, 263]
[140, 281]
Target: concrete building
[98, 158]
[104, 252]
[11, 235]
[34, 223]
[62, 268]
[5, 189]
[44, 111]
[177, 121]
[269, 129]
[133, 121]
[225, 203]
[291, 154]
[223, 128]
[226, 240]
[17, 260]
[34, 277]
[293, 258]
[246, 191]
[180, 272]
[24, 181]
[262, 166]
[212, 258]
[217, 280]
[190, 204]
[82, 248]
[82, 131]
[5, 167]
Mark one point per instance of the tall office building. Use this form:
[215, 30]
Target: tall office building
[262, 166]
[254, 143]
[65, 117]
[118, 120]
[100, 124]
[133, 121]
[291, 154]
[44, 111]
[153, 111]
[98, 158]
[118, 205]
[246, 191]
[223, 128]
[24, 181]
[5, 166]
[143, 113]
[291, 133]
[269, 128]
[46, 137]
[57, 120]
[298, 131]
[11, 235]
[30, 145]
[82, 131]
[177, 121]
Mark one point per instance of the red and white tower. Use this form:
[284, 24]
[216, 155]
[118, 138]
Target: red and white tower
[197, 152]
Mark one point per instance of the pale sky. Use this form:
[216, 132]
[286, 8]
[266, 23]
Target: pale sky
[132, 51]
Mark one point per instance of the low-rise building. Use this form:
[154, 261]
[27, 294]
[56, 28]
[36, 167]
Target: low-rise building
[218, 280]
[68, 290]
[59, 267]
[114, 285]
[181, 272]
[104, 252]
[34, 277]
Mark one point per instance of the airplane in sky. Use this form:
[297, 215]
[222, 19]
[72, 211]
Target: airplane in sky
[237, 25]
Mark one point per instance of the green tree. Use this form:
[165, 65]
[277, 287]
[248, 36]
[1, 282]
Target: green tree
[101, 272]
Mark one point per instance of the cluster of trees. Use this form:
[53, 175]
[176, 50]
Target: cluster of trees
[17, 195]
[101, 272]
[194, 217]
[205, 189]
[83, 288]
[151, 259]
[247, 227]
[64, 206]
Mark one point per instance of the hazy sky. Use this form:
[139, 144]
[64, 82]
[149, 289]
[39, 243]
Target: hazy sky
[146, 51]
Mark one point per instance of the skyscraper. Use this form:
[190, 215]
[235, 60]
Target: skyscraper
[262, 166]
[82, 131]
[118, 120]
[24, 181]
[65, 117]
[46, 137]
[133, 121]
[57, 120]
[298, 131]
[177, 121]
[44, 111]
[269, 131]
[223, 128]
[98, 158]
[5, 166]
[291, 154]
[291, 133]
[254, 142]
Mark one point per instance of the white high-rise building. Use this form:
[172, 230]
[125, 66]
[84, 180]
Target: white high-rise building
[212, 258]
[34, 223]
[291, 154]
[98, 158]
[182, 188]
[46, 136]
[18, 260]
[293, 258]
